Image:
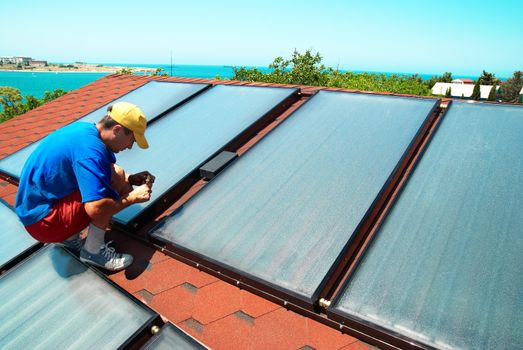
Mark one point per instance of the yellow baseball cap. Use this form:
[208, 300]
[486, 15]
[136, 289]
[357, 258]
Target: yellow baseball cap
[132, 118]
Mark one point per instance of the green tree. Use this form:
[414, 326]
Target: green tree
[448, 93]
[492, 94]
[476, 92]
[125, 70]
[445, 78]
[301, 69]
[13, 104]
[487, 78]
[49, 96]
[512, 87]
[159, 72]
[307, 69]
[379, 82]
[31, 103]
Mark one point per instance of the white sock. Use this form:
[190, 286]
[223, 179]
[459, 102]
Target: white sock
[95, 239]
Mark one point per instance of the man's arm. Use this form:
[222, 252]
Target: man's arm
[102, 210]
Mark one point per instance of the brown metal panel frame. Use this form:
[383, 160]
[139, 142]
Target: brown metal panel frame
[356, 322]
[338, 270]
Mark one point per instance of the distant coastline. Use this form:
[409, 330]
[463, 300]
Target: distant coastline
[76, 68]
[191, 71]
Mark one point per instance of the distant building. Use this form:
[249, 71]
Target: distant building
[459, 90]
[521, 95]
[22, 60]
[463, 81]
[7, 60]
[34, 63]
[15, 60]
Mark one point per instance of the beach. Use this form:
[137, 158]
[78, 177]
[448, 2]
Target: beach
[76, 68]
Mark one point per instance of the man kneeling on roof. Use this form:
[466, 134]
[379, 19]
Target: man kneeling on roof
[71, 181]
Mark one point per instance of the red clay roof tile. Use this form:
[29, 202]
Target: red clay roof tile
[224, 298]
[359, 345]
[192, 327]
[323, 337]
[8, 192]
[231, 332]
[280, 329]
[255, 306]
[177, 304]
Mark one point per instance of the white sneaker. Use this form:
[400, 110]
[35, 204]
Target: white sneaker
[107, 258]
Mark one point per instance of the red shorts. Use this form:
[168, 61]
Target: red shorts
[67, 217]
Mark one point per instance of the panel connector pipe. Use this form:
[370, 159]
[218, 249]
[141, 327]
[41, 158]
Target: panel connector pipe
[155, 329]
[324, 303]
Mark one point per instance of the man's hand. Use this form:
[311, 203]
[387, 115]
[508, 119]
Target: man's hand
[141, 178]
[140, 194]
[100, 211]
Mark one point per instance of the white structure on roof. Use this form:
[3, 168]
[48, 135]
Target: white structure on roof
[462, 81]
[459, 89]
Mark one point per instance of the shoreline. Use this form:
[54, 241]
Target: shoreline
[53, 71]
[83, 68]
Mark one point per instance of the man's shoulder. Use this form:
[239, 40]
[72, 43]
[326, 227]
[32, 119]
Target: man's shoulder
[83, 140]
[81, 126]
[74, 130]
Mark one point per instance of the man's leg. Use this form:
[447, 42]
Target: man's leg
[95, 250]
[65, 220]
[96, 234]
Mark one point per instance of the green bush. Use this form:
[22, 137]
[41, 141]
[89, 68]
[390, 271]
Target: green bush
[13, 105]
[307, 69]
[125, 70]
[510, 90]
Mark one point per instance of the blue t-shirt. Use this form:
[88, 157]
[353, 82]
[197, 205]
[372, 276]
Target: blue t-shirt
[73, 157]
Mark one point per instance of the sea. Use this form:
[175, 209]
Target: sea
[37, 83]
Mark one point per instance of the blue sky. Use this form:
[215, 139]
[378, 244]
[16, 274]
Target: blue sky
[463, 37]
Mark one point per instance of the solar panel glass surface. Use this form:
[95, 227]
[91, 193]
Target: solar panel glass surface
[53, 301]
[13, 235]
[284, 210]
[445, 266]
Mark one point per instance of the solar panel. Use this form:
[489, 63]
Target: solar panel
[53, 301]
[171, 337]
[153, 98]
[445, 266]
[15, 240]
[283, 212]
[185, 138]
